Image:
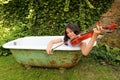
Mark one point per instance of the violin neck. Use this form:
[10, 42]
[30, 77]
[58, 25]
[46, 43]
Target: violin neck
[107, 28]
[90, 34]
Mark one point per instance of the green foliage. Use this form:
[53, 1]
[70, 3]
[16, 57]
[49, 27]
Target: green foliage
[51, 16]
[89, 4]
[106, 54]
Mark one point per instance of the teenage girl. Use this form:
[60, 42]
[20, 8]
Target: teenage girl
[71, 31]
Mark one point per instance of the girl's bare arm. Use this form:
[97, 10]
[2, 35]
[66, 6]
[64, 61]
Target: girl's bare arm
[86, 48]
[50, 44]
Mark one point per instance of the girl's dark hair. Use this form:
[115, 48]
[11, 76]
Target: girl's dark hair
[74, 28]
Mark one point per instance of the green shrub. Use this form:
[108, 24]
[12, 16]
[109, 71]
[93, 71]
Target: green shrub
[50, 17]
[106, 55]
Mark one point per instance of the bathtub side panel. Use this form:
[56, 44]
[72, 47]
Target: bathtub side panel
[60, 59]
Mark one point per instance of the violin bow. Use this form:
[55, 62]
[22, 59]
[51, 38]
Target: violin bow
[58, 46]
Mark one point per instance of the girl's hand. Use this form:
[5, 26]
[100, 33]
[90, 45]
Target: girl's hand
[98, 30]
[49, 48]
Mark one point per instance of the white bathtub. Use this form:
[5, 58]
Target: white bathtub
[30, 51]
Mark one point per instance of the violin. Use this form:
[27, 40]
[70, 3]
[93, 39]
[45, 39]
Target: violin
[78, 39]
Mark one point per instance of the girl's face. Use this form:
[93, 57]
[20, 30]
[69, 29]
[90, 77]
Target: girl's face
[70, 33]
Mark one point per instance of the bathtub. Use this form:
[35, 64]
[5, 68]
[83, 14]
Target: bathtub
[30, 51]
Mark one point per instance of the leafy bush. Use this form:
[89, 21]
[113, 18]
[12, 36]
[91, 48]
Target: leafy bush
[37, 17]
[106, 55]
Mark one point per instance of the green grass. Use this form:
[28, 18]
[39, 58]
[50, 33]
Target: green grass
[86, 69]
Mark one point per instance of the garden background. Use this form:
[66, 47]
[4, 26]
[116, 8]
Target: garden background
[20, 18]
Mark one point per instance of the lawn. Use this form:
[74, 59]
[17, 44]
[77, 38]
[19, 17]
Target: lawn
[86, 69]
